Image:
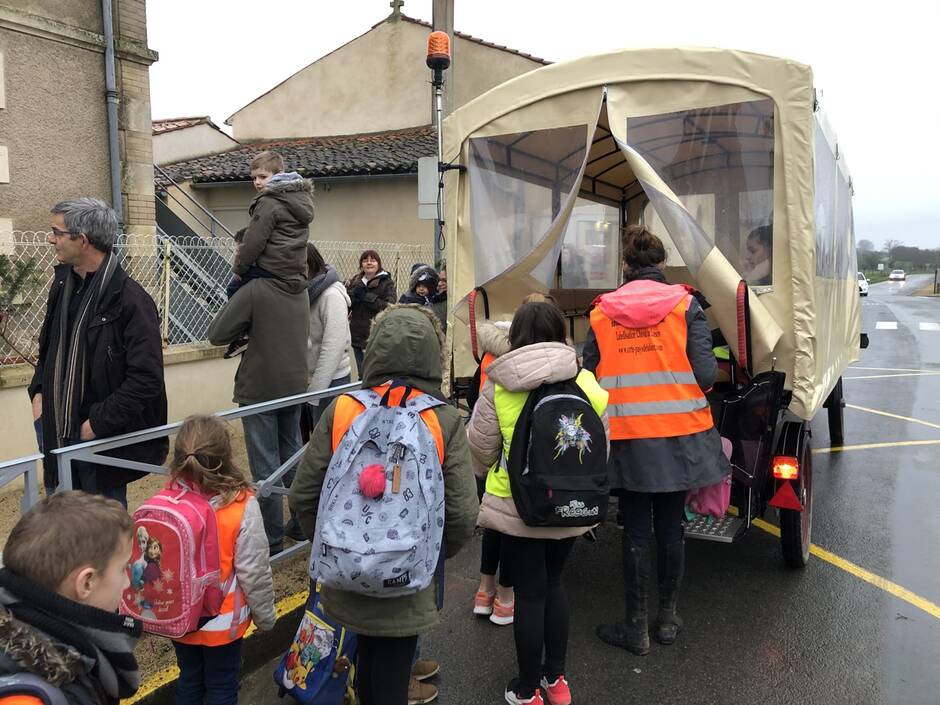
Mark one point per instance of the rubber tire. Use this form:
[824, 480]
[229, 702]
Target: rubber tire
[836, 416]
[796, 527]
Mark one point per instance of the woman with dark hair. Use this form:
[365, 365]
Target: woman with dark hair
[535, 555]
[370, 291]
[758, 256]
[327, 351]
[650, 346]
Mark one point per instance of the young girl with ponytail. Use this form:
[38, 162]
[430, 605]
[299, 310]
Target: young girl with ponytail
[209, 658]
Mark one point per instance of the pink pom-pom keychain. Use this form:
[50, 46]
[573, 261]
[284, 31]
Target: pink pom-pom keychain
[372, 481]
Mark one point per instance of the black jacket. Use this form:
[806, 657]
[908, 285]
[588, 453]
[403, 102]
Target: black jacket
[124, 387]
[367, 301]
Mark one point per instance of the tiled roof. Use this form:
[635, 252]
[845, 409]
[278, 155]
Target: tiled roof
[170, 124]
[476, 40]
[393, 152]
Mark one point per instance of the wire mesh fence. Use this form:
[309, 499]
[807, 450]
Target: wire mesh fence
[185, 276]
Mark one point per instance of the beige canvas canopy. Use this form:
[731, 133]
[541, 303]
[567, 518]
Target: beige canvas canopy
[723, 154]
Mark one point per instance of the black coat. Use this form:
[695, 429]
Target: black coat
[124, 387]
[367, 301]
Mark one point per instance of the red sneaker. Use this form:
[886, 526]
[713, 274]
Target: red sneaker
[515, 699]
[503, 614]
[557, 693]
[483, 603]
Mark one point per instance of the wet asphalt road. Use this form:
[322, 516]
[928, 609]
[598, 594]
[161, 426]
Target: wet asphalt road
[756, 632]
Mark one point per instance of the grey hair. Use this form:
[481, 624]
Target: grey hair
[91, 217]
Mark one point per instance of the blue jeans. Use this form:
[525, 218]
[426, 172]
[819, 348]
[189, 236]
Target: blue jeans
[208, 674]
[270, 439]
[317, 411]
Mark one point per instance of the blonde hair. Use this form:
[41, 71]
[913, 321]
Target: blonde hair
[65, 531]
[269, 161]
[202, 456]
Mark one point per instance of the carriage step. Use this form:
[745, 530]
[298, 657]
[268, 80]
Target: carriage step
[707, 528]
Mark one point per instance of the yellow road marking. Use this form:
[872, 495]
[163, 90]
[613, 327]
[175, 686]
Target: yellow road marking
[902, 593]
[892, 416]
[872, 446]
[897, 374]
[171, 673]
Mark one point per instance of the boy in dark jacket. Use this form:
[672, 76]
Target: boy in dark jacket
[423, 286]
[65, 570]
[274, 245]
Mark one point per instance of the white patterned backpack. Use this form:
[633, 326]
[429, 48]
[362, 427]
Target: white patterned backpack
[380, 523]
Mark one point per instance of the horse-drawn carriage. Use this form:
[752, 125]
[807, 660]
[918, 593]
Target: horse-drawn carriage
[728, 158]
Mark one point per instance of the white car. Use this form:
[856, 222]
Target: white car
[897, 275]
[862, 284]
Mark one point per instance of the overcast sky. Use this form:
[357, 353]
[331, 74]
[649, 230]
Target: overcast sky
[877, 67]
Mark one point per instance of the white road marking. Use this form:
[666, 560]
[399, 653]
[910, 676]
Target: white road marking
[929, 326]
[886, 325]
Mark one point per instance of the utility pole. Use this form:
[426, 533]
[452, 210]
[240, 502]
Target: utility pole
[442, 103]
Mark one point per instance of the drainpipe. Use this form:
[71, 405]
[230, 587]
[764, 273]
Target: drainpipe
[111, 103]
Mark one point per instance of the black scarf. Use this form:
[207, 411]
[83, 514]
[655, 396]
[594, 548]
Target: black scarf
[654, 273]
[104, 640]
[69, 361]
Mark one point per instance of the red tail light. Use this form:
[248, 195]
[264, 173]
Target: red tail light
[786, 467]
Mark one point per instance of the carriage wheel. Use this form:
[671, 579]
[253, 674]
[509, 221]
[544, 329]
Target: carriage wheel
[836, 408]
[796, 527]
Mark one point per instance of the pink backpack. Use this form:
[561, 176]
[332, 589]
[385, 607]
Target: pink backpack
[174, 570]
[714, 499]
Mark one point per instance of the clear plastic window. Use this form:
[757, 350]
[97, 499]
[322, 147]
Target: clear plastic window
[719, 162]
[518, 183]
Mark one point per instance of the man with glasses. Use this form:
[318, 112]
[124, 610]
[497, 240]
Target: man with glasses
[100, 367]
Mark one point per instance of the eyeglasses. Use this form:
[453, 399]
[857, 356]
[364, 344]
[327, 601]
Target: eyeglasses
[60, 233]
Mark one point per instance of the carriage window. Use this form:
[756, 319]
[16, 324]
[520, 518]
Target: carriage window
[518, 184]
[719, 162]
[590, 255]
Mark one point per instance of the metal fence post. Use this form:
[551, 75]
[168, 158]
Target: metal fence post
[167, 253]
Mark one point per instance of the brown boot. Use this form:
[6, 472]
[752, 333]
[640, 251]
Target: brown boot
[420, 693]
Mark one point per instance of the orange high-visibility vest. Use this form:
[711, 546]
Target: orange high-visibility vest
[348, 408]
[234, 617]
[488, 359]
[653, 392]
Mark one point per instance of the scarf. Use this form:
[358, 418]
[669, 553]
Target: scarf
[318, 284]
[104, 641]
[70, 373]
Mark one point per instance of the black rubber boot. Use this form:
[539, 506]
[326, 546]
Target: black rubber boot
[670, 566]
[632, 633]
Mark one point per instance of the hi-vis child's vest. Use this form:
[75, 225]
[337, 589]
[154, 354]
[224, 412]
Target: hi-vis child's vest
[234, 617]
[508, 407]
[653, 392]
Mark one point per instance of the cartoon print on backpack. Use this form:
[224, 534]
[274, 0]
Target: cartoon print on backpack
[571, 434]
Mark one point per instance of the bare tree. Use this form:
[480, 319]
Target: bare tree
[890, 246]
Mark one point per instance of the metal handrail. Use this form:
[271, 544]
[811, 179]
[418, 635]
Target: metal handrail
[215, 220]
[89, 451]
[12, 469]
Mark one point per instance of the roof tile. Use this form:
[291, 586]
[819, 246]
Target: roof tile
[392, 152]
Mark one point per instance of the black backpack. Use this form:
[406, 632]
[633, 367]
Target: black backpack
[557, 461]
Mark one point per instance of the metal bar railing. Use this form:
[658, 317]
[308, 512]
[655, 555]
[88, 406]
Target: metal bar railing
[29, 469]
[90, 450]
[215, 220]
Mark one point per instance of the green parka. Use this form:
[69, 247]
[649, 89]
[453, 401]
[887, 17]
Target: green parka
[405, 344]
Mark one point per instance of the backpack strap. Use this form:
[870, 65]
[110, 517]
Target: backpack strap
[25, 684]
[349, 406]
